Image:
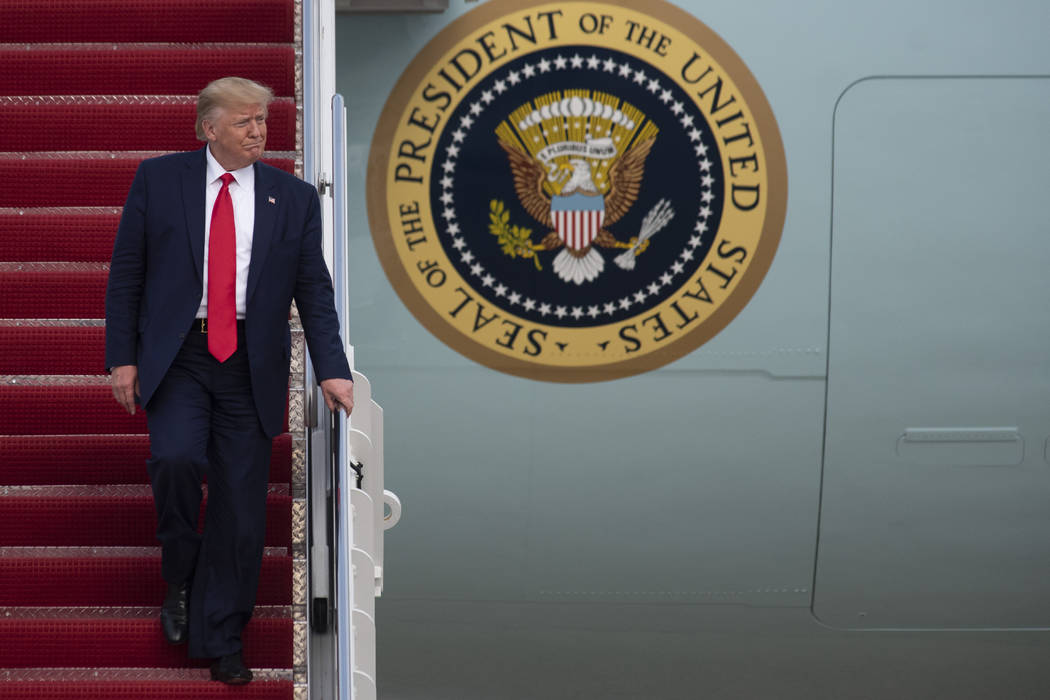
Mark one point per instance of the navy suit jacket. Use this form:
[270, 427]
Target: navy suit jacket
[155, 279]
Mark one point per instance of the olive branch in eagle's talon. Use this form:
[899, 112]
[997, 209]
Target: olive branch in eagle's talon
[515, 241]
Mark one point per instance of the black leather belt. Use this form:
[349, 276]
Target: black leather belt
[200, 325]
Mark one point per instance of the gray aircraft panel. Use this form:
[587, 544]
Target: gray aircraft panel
[467, 611]
[469, 495]
[657, 503]
[935, 492]
[508, 512]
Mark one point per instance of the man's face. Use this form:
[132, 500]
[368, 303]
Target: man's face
[237, 135]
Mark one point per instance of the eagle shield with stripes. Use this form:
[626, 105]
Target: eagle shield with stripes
[578, 218]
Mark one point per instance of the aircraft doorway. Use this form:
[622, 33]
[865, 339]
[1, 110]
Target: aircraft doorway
[936, 487]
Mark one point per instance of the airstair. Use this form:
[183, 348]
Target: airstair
[88, 89]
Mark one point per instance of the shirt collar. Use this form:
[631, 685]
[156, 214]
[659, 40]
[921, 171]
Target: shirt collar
[245, 176]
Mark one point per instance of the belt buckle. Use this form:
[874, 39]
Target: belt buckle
[204, 326]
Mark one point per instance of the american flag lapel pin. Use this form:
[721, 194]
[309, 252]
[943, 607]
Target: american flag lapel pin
[271, 200]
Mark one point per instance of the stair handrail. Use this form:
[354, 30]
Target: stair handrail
[343, 515]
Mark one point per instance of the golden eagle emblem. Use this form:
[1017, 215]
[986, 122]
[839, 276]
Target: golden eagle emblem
[578, 159]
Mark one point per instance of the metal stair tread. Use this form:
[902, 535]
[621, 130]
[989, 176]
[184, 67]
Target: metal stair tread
[67, 552]
[123, 612]
[87, 675]
[133, 491]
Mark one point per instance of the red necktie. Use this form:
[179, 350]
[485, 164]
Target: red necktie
[222, 276]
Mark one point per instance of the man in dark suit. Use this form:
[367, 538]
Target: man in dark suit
[212, 248]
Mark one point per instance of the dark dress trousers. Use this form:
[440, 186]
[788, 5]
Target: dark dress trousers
[208, 418]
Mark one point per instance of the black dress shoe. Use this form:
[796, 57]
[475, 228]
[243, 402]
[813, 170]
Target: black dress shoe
[173, 613]
[230, 669]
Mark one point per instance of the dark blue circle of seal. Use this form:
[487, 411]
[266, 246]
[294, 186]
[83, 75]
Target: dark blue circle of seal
[471, 170]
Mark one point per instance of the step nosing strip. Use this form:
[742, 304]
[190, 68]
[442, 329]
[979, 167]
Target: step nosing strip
[113, 612]
[47, 322]
[105, 490]
[103, 437]
[60, 211]
[110, 552]
[74, 436]
[54, 379]
[115, 155]
[145, 46]
[75, 674]
[111, 100]
[63, 267]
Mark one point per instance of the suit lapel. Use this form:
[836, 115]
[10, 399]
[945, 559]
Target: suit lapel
[265, 216]
[193, 187]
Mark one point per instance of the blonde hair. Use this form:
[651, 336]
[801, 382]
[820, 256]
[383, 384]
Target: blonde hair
[229, 92]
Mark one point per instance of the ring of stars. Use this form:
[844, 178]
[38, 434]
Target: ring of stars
[624, 70]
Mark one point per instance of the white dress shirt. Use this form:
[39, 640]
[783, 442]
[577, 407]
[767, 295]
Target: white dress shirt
[242, 193]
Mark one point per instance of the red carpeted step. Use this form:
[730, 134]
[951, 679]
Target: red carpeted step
[127, 123]
[141, 69]
[147, 20]
[105, 516]
[53, 290]
[52, 349]
[65, 409]
[96, 576]
[92, 689]
[137, 684]
[126, 642]
[98, 459]
[70, 234]
[76, 121]
[76, 180]
[84, 408]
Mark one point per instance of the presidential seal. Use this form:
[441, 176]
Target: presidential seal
[576, 191]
